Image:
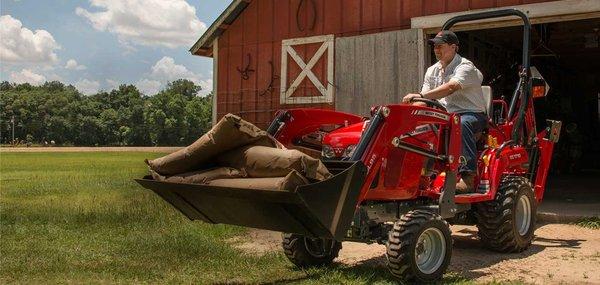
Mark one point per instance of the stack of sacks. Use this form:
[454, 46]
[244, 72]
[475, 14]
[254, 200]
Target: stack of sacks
[235, 153]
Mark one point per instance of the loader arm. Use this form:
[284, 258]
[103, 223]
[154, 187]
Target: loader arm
[385, 131]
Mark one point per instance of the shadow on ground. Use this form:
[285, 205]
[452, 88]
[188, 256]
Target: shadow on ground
[473, 256]
[469, 257]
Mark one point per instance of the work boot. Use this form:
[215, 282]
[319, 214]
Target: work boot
[466, 184]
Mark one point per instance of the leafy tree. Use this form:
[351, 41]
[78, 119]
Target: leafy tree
[123, 116]
[6, 86]
[184, 87]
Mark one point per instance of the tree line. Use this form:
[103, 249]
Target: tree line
[58, 113]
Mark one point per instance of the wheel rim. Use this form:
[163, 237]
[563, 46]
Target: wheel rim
[523, 215]
[430, 250]
[318, 247]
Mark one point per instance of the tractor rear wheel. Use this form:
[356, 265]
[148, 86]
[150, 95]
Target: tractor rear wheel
[507, 224]
[419, 246]
[308, 252]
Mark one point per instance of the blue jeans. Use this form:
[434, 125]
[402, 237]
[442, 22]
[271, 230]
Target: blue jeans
[471, 124]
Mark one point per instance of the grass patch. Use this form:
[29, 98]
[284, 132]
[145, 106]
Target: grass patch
[590, 223]
[80, 217]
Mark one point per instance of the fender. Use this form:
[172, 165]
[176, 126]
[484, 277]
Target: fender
[511, 160]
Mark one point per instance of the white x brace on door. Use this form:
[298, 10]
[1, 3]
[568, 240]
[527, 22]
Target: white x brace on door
[326, 90]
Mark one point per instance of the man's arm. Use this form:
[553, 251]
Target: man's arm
[443, 90]
[436, 93]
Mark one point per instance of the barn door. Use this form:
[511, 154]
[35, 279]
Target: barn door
[306, 70]
[377, 69]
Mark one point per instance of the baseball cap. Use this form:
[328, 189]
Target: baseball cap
[444, 36]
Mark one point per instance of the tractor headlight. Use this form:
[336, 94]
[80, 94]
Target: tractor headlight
[327, 152]
[349, 151]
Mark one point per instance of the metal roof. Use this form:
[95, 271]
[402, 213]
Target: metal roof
[203, 46]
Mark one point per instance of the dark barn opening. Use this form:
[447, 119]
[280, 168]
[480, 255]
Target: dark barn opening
[567, 54]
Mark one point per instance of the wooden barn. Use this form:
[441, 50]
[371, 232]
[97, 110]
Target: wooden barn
[348, 55]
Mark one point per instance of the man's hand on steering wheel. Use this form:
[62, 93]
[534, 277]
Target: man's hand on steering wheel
[412, 97]
[430, 103]
[409, 97]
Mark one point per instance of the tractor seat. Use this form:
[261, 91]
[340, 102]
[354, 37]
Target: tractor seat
[488, 99]
[481, 138]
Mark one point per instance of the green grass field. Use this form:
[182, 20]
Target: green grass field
[80, 218]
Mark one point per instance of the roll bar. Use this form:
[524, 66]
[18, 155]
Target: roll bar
[522, 90]
[498, 14]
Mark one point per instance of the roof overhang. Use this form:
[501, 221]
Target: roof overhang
[203, 47]
[544, 12]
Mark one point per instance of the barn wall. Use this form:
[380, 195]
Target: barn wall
[262, 26]
[375, 69]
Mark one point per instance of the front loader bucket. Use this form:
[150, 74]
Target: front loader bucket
[323, 209]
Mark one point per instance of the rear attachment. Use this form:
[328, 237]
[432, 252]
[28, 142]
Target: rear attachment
[323, 209]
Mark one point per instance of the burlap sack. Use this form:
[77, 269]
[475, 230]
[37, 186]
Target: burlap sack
[229, 133]
[261, 161]
[287, 183]
[200, 177]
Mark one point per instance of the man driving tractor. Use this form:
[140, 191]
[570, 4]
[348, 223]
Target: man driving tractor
[456, 83]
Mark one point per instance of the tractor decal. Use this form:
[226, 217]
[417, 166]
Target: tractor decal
[431, 114]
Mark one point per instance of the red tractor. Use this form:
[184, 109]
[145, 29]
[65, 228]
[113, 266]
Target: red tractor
[394, 183]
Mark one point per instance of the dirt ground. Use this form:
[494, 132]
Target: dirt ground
[560, 254]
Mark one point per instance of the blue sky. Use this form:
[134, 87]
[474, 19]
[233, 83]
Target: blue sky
[99, 44]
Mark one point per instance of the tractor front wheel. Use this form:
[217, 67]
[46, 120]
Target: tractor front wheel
[308, 252]
[507, 224]
[419, 246]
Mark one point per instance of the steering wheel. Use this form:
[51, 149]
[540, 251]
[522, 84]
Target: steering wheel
[430, 103]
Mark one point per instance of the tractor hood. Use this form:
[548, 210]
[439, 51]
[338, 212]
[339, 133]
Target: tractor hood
[345, 136]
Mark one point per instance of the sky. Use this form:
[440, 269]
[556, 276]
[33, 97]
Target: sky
[99, 44]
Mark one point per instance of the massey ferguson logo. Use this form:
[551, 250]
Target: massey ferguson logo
[431, 114]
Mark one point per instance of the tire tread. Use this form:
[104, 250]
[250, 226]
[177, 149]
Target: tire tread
[495, 218]
[401, 238]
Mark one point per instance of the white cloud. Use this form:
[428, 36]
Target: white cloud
[170, 23]
[149, 87]
[87, 87]
[166, 70]
[21, 45]
[72, 64]
[27, 76]
[207, 87]
[54, 77]
[112, 84]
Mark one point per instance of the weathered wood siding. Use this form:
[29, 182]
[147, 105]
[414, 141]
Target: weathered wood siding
[375, 69]
[262, 26]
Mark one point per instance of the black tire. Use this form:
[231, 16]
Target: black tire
[308, 252]
[501, 224]
[403, 241]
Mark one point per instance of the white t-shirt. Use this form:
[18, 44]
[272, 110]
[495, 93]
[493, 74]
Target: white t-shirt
[467, 99]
